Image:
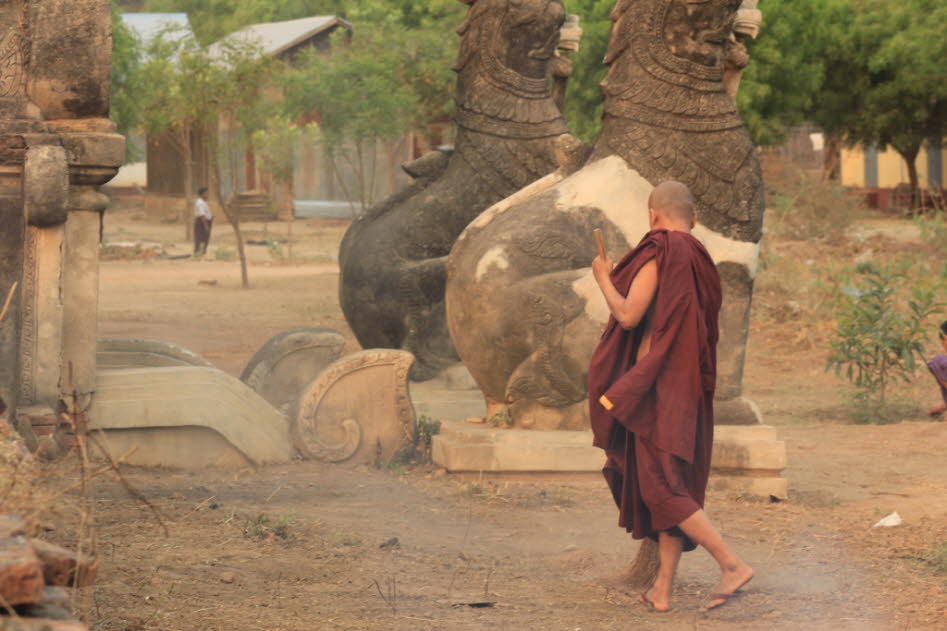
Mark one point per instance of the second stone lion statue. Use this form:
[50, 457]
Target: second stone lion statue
[393, 259]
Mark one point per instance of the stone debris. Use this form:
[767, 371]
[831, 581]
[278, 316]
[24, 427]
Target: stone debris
[228, 578]
[64, 567]
[33, 577]
[21, 575]
[54, 606]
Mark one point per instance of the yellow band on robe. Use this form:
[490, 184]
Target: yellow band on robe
[608, 405]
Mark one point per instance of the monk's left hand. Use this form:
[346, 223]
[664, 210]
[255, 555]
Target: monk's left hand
[602, 268]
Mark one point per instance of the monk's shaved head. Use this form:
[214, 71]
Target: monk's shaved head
[673, 200]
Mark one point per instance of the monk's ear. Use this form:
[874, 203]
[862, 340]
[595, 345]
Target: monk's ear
[652, 217]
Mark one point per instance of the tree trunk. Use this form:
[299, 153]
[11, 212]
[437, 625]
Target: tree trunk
[909, 154]
[230, 211]
[289, 209]
[831, 158]
[338, 177]
[188, 158]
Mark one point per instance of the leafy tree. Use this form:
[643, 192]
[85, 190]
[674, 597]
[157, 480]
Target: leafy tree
[240, 75]
[275, 146]
[126, 77]
[189, 90]
[583, 107]
[787, 72]
[359, 99]
[868, 72]
[174, 99]
[904, 48]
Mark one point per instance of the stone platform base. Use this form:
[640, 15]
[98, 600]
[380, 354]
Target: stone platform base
[747, 459]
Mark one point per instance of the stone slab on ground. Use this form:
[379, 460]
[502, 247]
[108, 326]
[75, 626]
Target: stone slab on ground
[188, 417]
[747, 459]
[471, 447]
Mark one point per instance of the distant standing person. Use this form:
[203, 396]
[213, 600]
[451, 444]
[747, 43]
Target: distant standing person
[203, 221]
[651, 387]
[938, 367]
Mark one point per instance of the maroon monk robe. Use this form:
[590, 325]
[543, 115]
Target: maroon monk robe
[658, 429]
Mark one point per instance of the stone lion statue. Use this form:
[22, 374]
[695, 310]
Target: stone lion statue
[523, 309]
[393, 259]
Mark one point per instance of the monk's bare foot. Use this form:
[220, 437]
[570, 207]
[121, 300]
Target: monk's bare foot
[658, 597]
[731, 581]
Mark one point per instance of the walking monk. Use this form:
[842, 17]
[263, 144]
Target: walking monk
[651, 391]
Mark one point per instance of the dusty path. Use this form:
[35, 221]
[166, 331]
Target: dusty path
[302, 541]
[538, 547]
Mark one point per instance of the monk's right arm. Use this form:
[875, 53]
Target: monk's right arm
[630, 310]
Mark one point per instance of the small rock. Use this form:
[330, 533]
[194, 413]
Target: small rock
[21, 575]
[570, 548]
[889, 521]
[64, 567]
[228, 577]
[391, 543]
[55, 606]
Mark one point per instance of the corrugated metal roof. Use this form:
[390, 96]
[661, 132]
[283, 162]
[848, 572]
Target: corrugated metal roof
[277, 37]
[146, 26]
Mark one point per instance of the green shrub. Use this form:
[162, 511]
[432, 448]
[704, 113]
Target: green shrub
[224, 254]
[938, 558]
[880, 335]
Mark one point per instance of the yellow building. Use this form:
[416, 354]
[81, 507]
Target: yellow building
[885, 169]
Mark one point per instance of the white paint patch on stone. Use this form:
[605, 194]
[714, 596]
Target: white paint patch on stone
[595, 306]
[539, 186]
[495, 257]
[612, 186]
[724, 249]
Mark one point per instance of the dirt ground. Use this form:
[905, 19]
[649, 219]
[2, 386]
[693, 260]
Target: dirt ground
[311, 546]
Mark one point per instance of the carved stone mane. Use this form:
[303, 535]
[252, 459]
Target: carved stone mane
[491, 97]
[669, 116]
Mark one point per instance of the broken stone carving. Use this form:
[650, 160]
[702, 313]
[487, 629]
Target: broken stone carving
[282, 369]
[746, 25]
[187, 417]
[57, 147]
[393, 258]
[358, 410]
[523, 309]
[115, 353]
